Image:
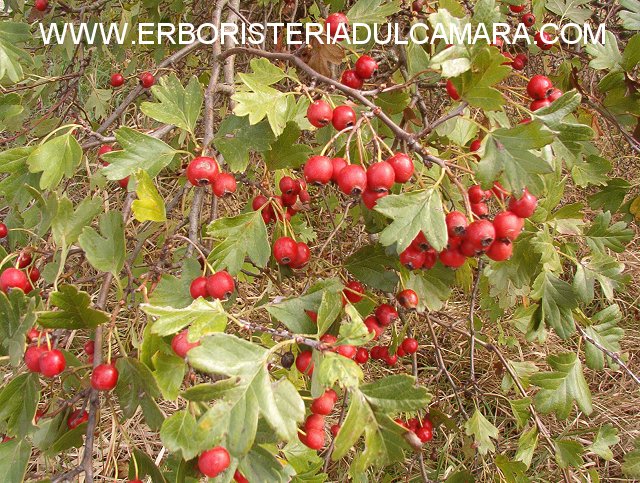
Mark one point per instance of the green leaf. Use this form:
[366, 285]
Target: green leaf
[631, 463]
[488, 70]
[236, 139]
[12, 58]
[67, 225]
[210, 391]
[482, 431]
[136, 387]
[260, 465]
[177, 105]
[180, 434]
[513, 471]
[14, 454]
[18, 403]
[611, 197]
[630, 18]
[508, 151]
[17, 313]
[606, 56]
[606, 332]
[236, 238]
[568, 453]
[169, 373]
[353, 331]
[75, 311]
[335, 368]
[521, 409]
[602, 235]
[412, 212]
[395, 394]
[603, 268]
[284, 153]
[173, 291]
[330, 308]
[139, 152]
[144, 466]
[590, 171]
[373, 11]
[291, 311]
[202, 316]
[527, 444]
[371, 265]
[150, 205]
[606, 437]
[433, 286]
[106, 252]
[562, 386]
[570, 9]
[557, 300]
[55, 158]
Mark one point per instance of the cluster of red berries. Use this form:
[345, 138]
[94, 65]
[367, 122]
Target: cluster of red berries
[204, 171]
[289, 252]
[220, 285]
[407, 347]
[283, 206]
[541, 90]
[365, 68]
[518, 62]
[353, 180]
[314, 435]
[528, 19]
[24, 275]
[320, 114]
[423, 428]
[48, 362]
[146, 79]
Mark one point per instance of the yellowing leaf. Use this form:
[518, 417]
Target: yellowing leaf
[149, 206]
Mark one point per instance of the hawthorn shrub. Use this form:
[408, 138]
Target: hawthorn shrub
[318, 262]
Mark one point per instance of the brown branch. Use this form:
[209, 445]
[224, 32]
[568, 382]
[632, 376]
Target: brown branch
[472, 329]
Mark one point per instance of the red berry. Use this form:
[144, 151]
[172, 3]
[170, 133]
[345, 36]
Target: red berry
[507, 225]
[338, 165]
[386, 314]
[370, 198]
[347, 351]
[214, 461]
[543, 41]
[285, 250]
[354, 291]
[420, 242]
[198, 288]
[314, 421]
[224, 184]
[456, 223]
[499, 191]
[52, 363]
[391, 360]
[468, 249]
[202, 171]
[528, 19]
[475, 145]
[303, 362]
[522, 207]
[366, 67]
[335, 429]
[424, 434]
[104, 377]
[319, 113]
[452, 91]
[373, 326]
[379, 352]
[476, 194]
[451, 257]
[239, 477]
[314, 439]
[259, 201]
[12, 278]
[147, 79]
[24, 259]
[312, 315]
[430, 258]
[304, 196]
[220, 285]
[32, 357]
[334, 21]
[34, 334]
[289, 186]
[400, 351]
[41, 5]
[303, 255]
[413, 424]
[523, 58]
[329, 339]
[322, 405]
[124, 183]
[417, 5]
[343, 117]
[518, 64]
[117, 80]
[500, 250]
[4, 231]
[181, 345]
[480, 209]
[34, 274]
[539, 104]
[351, 79]
[409, 345]
[362, 355]
[76, 418]
[554, 94]
[402, 166]
[412, 258]
[517, 8]
[539, 86]
[352, 179]
[89, 347]
[380, 176]
[318, 170]
[408, 299]
[480, 234]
